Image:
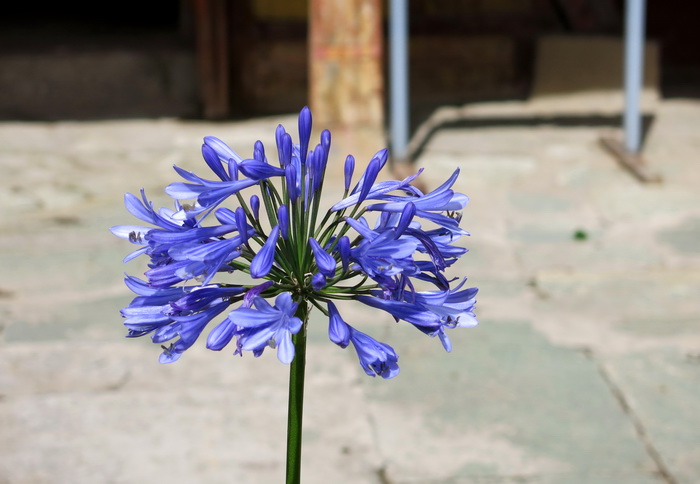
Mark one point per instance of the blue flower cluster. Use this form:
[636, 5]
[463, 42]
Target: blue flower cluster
[274, 236]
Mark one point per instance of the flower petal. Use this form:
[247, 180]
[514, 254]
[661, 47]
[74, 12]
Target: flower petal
[285, 350]
[261, 264]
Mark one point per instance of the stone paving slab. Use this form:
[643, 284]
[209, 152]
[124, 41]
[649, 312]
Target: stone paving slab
[502, 406]
[85, 413]
[531, 395]
[660, 388]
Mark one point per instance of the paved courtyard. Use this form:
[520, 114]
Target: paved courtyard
[585, 368]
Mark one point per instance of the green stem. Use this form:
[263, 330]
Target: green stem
[296, 398]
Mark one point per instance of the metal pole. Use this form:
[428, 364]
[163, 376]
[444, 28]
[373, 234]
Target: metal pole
[634, 68]
[398, 76]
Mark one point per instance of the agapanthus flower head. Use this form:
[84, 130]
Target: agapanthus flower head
[370, 247]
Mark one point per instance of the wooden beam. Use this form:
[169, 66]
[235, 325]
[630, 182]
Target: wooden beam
[213, 57]
[345, 63]
[632, 162]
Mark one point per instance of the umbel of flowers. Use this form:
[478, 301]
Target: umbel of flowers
[370, 247]
[376, 246]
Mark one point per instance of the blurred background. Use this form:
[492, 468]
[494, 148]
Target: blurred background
[231, 60]
[585, 368]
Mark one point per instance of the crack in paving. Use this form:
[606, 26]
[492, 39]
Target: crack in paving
[662, 469]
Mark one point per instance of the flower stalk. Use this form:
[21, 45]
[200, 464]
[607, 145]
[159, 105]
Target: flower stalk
[295, 410]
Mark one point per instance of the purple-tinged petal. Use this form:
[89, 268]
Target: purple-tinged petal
[440, 199]
[381, 156]
[143, 289]
[294, 324]
[325, 262]
[205, 252]
[344, 251]
[380, 189]
[279, 140]
[173, 273]
[136, 234]
[135, 254]
[326, 140]
[304, 132]
[221, 335]
[259, 170]
[259, 151]
[283, 217]
[192, 178]
[256, 337]
[318, 281]
[285, 350]
[166, 333]
[242, 224]
[286, 151]
[318, 167]
[445, 340]
[375, 357]
[290, 174]
[255, 206]
[138, 209]
[185, 191]
[268, 326]
[407, 215]
[253, 318]
[224, 152]
[212, 159]
[349, 169]
[370, 177]
[233, 169]
[262, 262]
[187, 236]
[169, 355]
[143, 210]
[338, 329]
[284, 303]
[217, 195]
[361, 227]
[414, 314]
[225, 216]
[200, 297]
[254, 292]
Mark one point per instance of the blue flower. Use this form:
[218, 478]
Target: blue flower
[209, 194]
[201, 296]
[138, 234]
[325, 262]
[150, 309]
[283, 217]
[422, 318]
[294, 254]
[376, 358]
[259, 170]
[338, 329]
[222, 150]
[304, 132]
[348, 169]
[382, 254]
[318, 281]
[187, 328]
[267, 326]
[379, 189]
[262, 262]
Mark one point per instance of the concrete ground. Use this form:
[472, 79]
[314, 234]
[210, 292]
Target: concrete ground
[585, 368]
